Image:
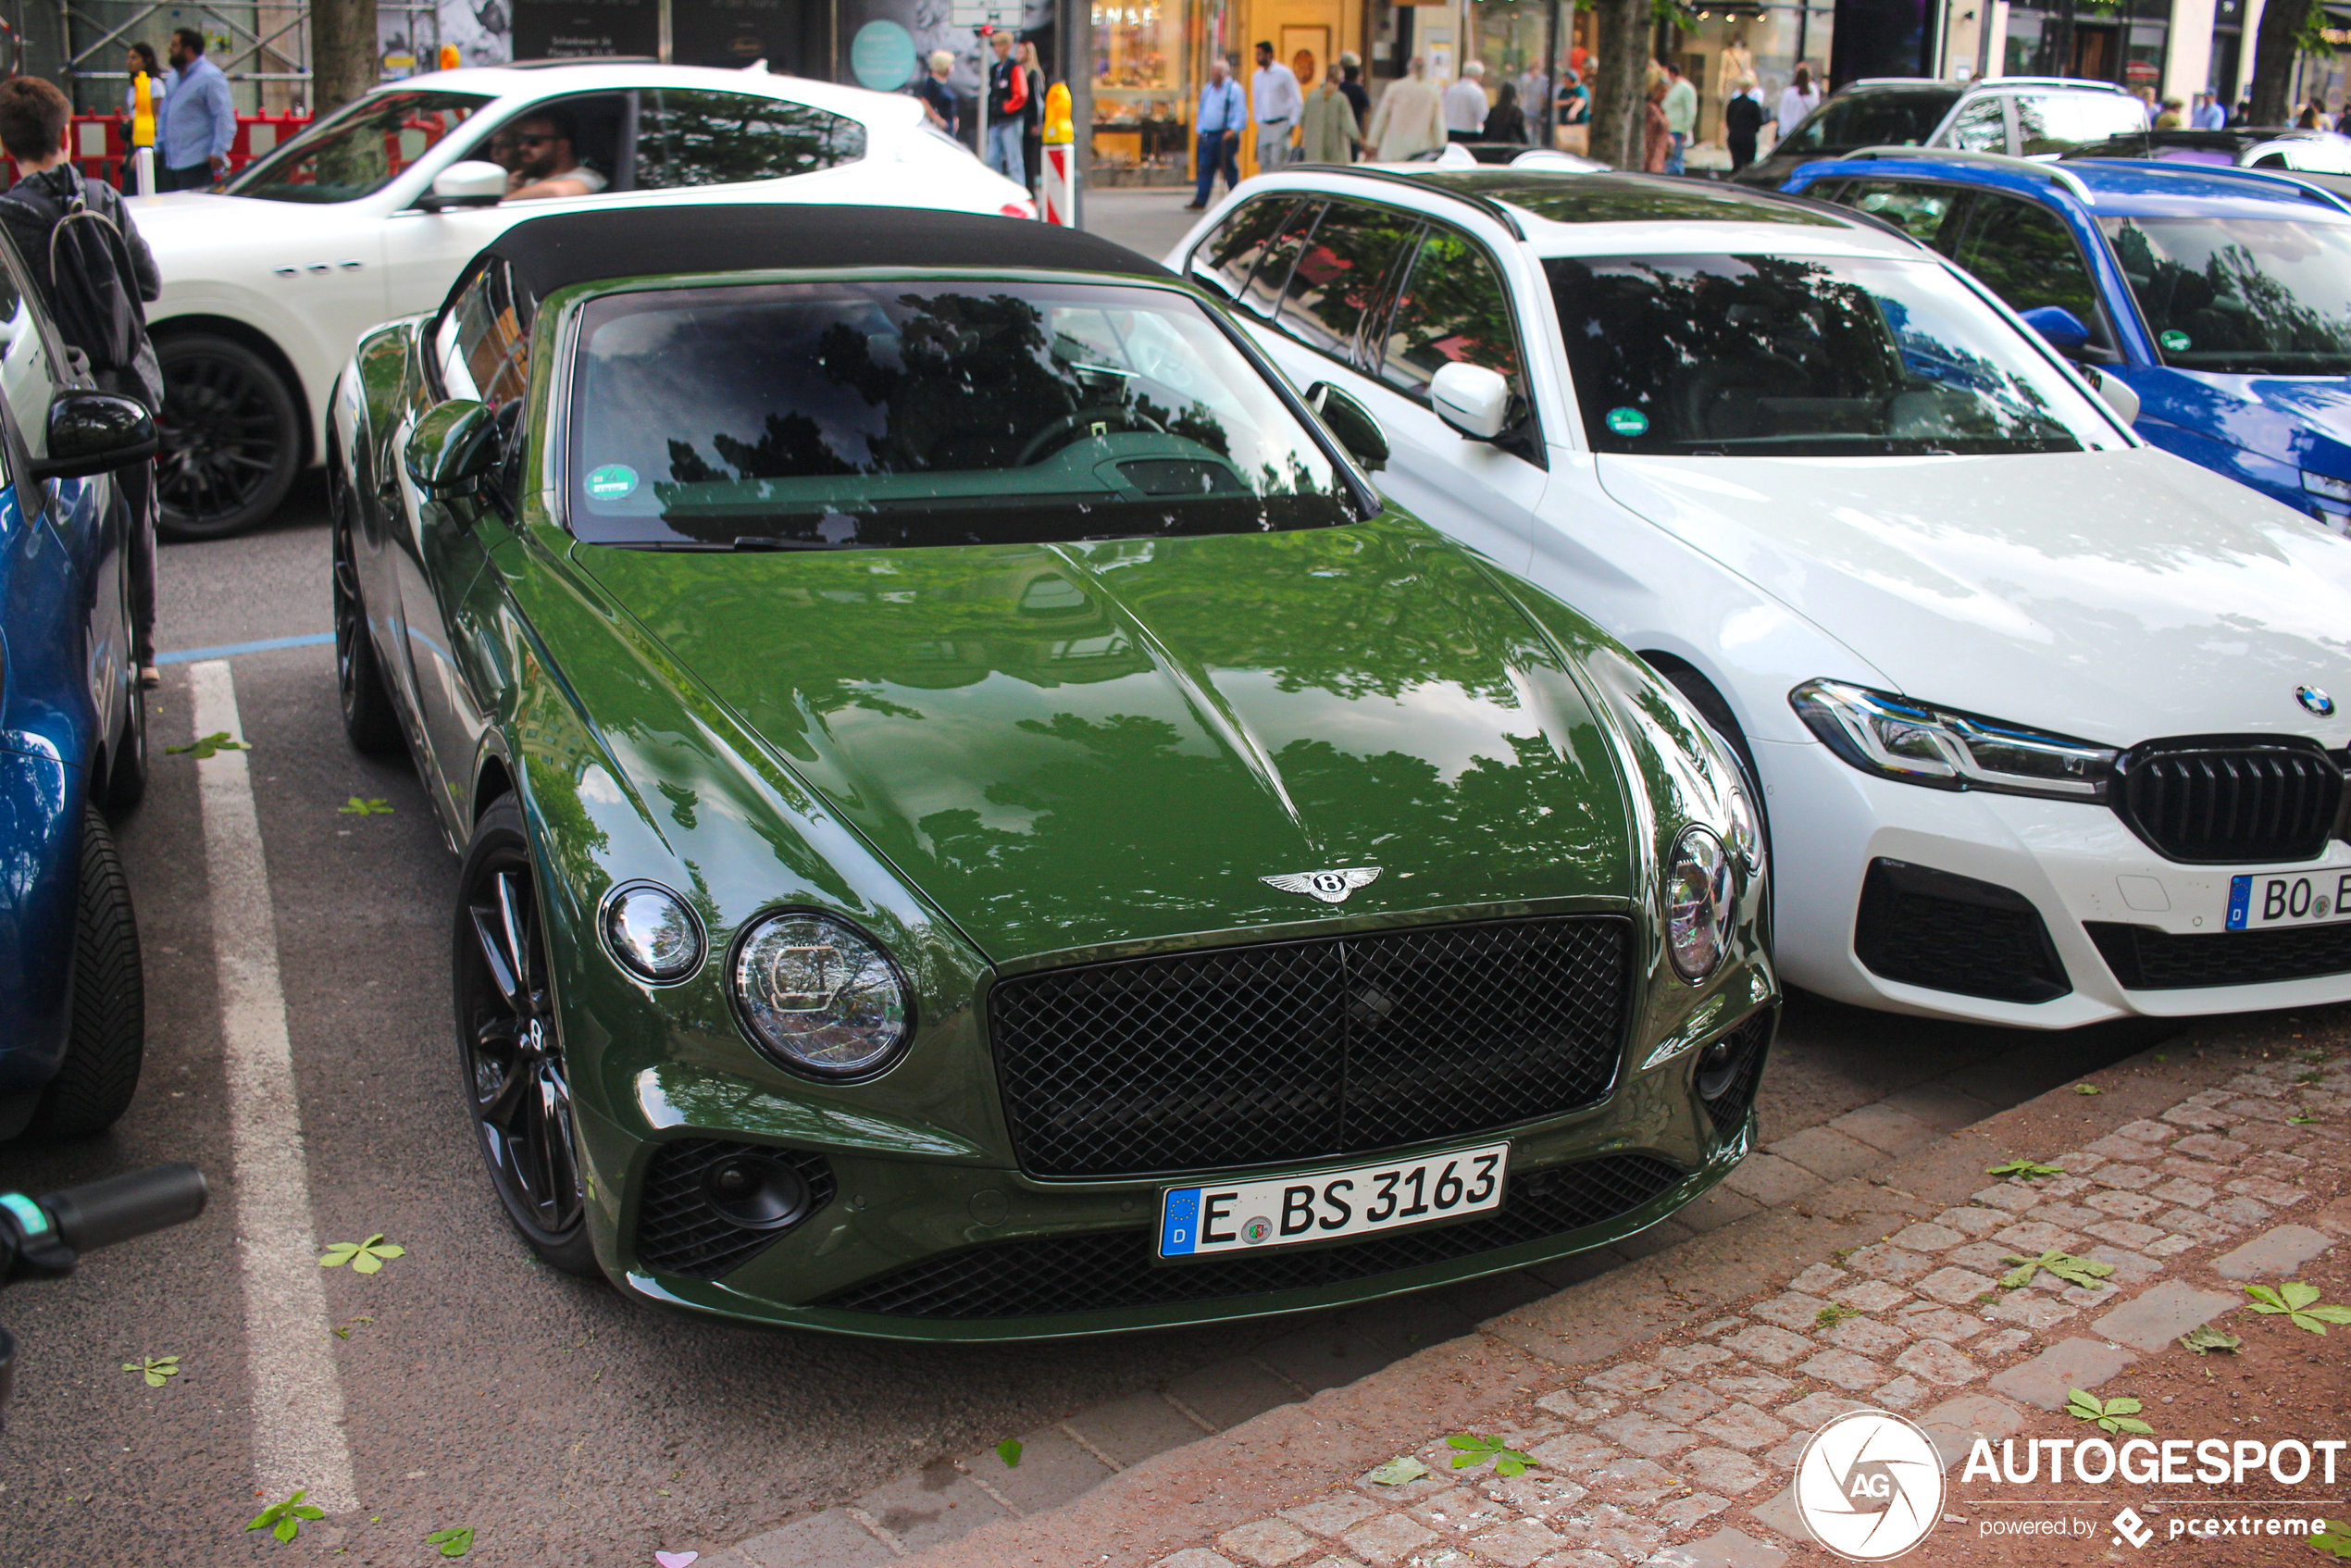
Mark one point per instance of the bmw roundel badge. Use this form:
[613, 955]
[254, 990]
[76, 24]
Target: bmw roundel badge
[2315, 700]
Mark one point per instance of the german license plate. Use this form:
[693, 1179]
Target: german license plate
[2262, 899]
[1291, 1211]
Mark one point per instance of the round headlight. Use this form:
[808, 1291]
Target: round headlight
[1743, 831]
[1698, 903]
[820, 997]
[651, 932]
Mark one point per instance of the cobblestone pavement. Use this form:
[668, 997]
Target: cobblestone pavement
[1678, 1453]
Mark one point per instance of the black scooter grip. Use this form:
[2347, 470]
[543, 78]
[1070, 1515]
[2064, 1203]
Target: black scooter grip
[103, 1213]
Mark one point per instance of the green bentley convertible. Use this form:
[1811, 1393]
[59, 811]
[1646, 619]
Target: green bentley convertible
[978, 820]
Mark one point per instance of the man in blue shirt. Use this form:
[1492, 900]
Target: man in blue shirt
[1223, 112]
[199, 120]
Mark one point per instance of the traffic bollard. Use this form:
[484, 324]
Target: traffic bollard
[1061, 158]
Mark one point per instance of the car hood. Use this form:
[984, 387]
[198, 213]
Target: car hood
[2117, 596]
[1080, 746]
[2300, 419]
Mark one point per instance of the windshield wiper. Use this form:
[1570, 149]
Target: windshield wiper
[769, 542]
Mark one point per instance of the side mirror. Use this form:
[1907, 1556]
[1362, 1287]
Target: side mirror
[452, 446]
[1352, 423]
[2117, 391]
[472, 184]
[93, 431]
[2059, 327]
[1471, 399]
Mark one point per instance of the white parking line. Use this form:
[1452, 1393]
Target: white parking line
[297, 1403]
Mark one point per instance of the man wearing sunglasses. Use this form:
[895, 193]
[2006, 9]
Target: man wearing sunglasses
[546, 164]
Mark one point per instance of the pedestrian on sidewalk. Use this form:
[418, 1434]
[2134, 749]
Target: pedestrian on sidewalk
[939, 105]
[1465, 106]
[198, 121]
[1274, 98]
[1032, 118]
[1411, 118]
[1506, 121]
[1350, 82]
[1218, 124]
[1007, 105]
[1657, 136]
[1329, 132]
[94, 273]
[1681, 115]
[1742, 123]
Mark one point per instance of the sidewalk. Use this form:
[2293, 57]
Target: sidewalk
[1664, 1405]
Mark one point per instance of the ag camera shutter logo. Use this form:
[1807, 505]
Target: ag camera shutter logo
[1870, 1486]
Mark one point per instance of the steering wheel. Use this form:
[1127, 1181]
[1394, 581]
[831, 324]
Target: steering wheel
[1044, 442]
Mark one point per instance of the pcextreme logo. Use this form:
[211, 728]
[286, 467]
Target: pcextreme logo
[1870, 1486]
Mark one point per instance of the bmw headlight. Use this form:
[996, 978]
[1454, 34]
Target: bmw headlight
[1896, 738]
[651, 932]
[820, 997]
[1699, 896]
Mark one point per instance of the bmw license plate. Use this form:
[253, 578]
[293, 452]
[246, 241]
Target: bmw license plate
[2262, 899]
[1291, 1211]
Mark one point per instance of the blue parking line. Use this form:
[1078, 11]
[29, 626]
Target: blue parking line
[230, 649]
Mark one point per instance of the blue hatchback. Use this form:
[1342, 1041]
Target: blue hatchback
[73, 734]
[2221, 297]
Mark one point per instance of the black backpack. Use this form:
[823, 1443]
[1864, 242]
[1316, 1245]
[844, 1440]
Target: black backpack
[92, 292]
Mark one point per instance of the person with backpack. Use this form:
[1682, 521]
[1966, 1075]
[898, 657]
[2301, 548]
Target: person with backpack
[94, 273]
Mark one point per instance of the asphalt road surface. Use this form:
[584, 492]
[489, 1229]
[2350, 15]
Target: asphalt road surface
[476, 1388]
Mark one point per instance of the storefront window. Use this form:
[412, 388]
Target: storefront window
[1142, 84]
[1766, 44]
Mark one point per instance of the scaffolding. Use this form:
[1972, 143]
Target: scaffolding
[263, 49]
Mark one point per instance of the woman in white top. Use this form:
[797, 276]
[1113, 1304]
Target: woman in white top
[1800, 99]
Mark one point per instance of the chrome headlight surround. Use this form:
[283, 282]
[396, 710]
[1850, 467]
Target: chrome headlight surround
[1743, 830]
[1702, 896]
[1914, 743]
[819, 997]
[651, 932]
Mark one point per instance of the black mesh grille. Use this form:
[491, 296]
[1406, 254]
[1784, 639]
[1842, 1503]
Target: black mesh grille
[678, 1232]
[1110, 1269]
[1727, 1108]
[2144, 959]
[2213, 804]
[1952, 933]
[1293, 1051]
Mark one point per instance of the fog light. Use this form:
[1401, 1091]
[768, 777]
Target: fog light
[756, 1191]
[1717, 1065]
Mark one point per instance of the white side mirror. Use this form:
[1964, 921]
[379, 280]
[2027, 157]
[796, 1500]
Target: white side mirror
[1471, 399]
[472, 183]
[2117, 392]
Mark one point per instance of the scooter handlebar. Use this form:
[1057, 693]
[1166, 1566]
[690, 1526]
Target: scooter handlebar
[100, 1213]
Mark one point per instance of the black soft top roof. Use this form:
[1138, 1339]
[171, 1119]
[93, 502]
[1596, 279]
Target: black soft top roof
[548, 253]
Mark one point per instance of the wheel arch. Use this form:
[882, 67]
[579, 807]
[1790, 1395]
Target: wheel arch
[1708, 699]
[262, 344]
[492, 779]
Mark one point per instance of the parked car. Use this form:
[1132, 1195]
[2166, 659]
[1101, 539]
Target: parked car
[368, 215]
[2021, 115]
[2221, 297]
[73, 734]
[2326, 152]
[977, 821]
[1517, 155]
[2035, 708]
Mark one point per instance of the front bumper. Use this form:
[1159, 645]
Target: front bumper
[894, 1211]
[2076, 863]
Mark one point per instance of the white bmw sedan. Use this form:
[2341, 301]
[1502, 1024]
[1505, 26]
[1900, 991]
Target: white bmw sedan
[369, 214]
[2040, 715]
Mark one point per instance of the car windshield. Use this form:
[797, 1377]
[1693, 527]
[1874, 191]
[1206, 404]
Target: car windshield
[1872, 120]
[2059, 122]
[2241, 296]
[933, 412]
[1793, 357]
[358, 150]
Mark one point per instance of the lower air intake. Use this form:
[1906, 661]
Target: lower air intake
[2146, 959]
[1952, 933]
[1110, 1269]
[692, 1221]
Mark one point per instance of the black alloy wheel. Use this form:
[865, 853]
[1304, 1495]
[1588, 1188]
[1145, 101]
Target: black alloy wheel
[367, 716]
[231, 438]
[517, 1087]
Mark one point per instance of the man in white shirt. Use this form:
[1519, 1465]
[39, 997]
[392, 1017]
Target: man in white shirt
[1275, 102]
[1465, 104]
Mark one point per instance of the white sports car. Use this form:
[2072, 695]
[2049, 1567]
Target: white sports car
[2040, 715]
[369, 214]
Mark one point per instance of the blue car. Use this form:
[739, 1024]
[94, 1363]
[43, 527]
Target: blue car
[2220, 297]
[73, 734]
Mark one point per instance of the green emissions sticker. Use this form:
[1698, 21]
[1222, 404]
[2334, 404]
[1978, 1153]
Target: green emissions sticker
[612, 482]
[1628, 421]
[2173, 340]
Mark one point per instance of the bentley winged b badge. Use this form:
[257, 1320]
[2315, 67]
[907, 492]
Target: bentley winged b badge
[1331, 886]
